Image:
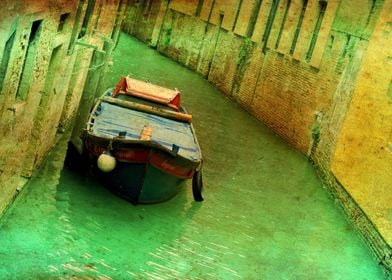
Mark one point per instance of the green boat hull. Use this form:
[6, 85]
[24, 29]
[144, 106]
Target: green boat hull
[141, 183]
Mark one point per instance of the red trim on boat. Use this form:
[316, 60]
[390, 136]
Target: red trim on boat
[134, 155]
[94, 150]
[170, 167]
[144, 156]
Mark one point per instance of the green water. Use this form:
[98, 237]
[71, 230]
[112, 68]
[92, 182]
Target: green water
[265, 214]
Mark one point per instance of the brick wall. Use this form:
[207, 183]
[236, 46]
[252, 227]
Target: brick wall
[303, 58]
[362, 159]
[46, 51]
[220, 44]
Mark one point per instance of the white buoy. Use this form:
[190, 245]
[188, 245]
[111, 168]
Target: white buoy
[106, 162]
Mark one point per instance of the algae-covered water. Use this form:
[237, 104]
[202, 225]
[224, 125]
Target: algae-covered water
[265, 214]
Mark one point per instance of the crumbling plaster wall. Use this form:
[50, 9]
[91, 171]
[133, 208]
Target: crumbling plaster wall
[294, 65]
[362, 159]
[45, 61]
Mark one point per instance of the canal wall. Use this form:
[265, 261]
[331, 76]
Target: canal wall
[53, 55]
[316, 72]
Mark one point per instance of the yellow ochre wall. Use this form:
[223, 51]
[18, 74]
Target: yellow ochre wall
[362, 160]
[316, 72]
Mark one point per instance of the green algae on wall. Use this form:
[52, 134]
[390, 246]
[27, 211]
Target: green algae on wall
[167, 32]
[305, 62]
[42, 78]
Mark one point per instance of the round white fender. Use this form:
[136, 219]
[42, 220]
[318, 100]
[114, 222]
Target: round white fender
[106, 162]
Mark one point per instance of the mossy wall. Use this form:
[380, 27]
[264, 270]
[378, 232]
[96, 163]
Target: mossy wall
[294, 65]
[46, 50]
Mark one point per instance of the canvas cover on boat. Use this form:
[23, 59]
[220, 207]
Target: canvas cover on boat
[111, 119]
[148, 91]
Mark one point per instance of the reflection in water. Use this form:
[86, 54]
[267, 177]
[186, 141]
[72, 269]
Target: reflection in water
[265, 214]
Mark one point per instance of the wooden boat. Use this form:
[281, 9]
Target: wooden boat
[143, 142]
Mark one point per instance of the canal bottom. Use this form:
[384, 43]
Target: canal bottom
[265, 215]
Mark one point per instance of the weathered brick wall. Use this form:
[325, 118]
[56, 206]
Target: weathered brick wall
[294, 65]
[45, 56]
[362, 159]
[141, 17]
[351, 34]
[224, 54]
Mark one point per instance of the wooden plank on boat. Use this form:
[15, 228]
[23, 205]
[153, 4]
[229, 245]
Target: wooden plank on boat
[148, 109]
[146, 133]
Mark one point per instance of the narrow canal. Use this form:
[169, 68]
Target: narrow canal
[265, 214]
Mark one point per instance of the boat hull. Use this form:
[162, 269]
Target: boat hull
[142, 174]
[142, 150]
[140, 182]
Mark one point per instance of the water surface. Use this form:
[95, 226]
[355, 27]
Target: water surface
[265, 214]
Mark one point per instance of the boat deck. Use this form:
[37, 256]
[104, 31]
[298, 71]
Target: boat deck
[111, 119]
